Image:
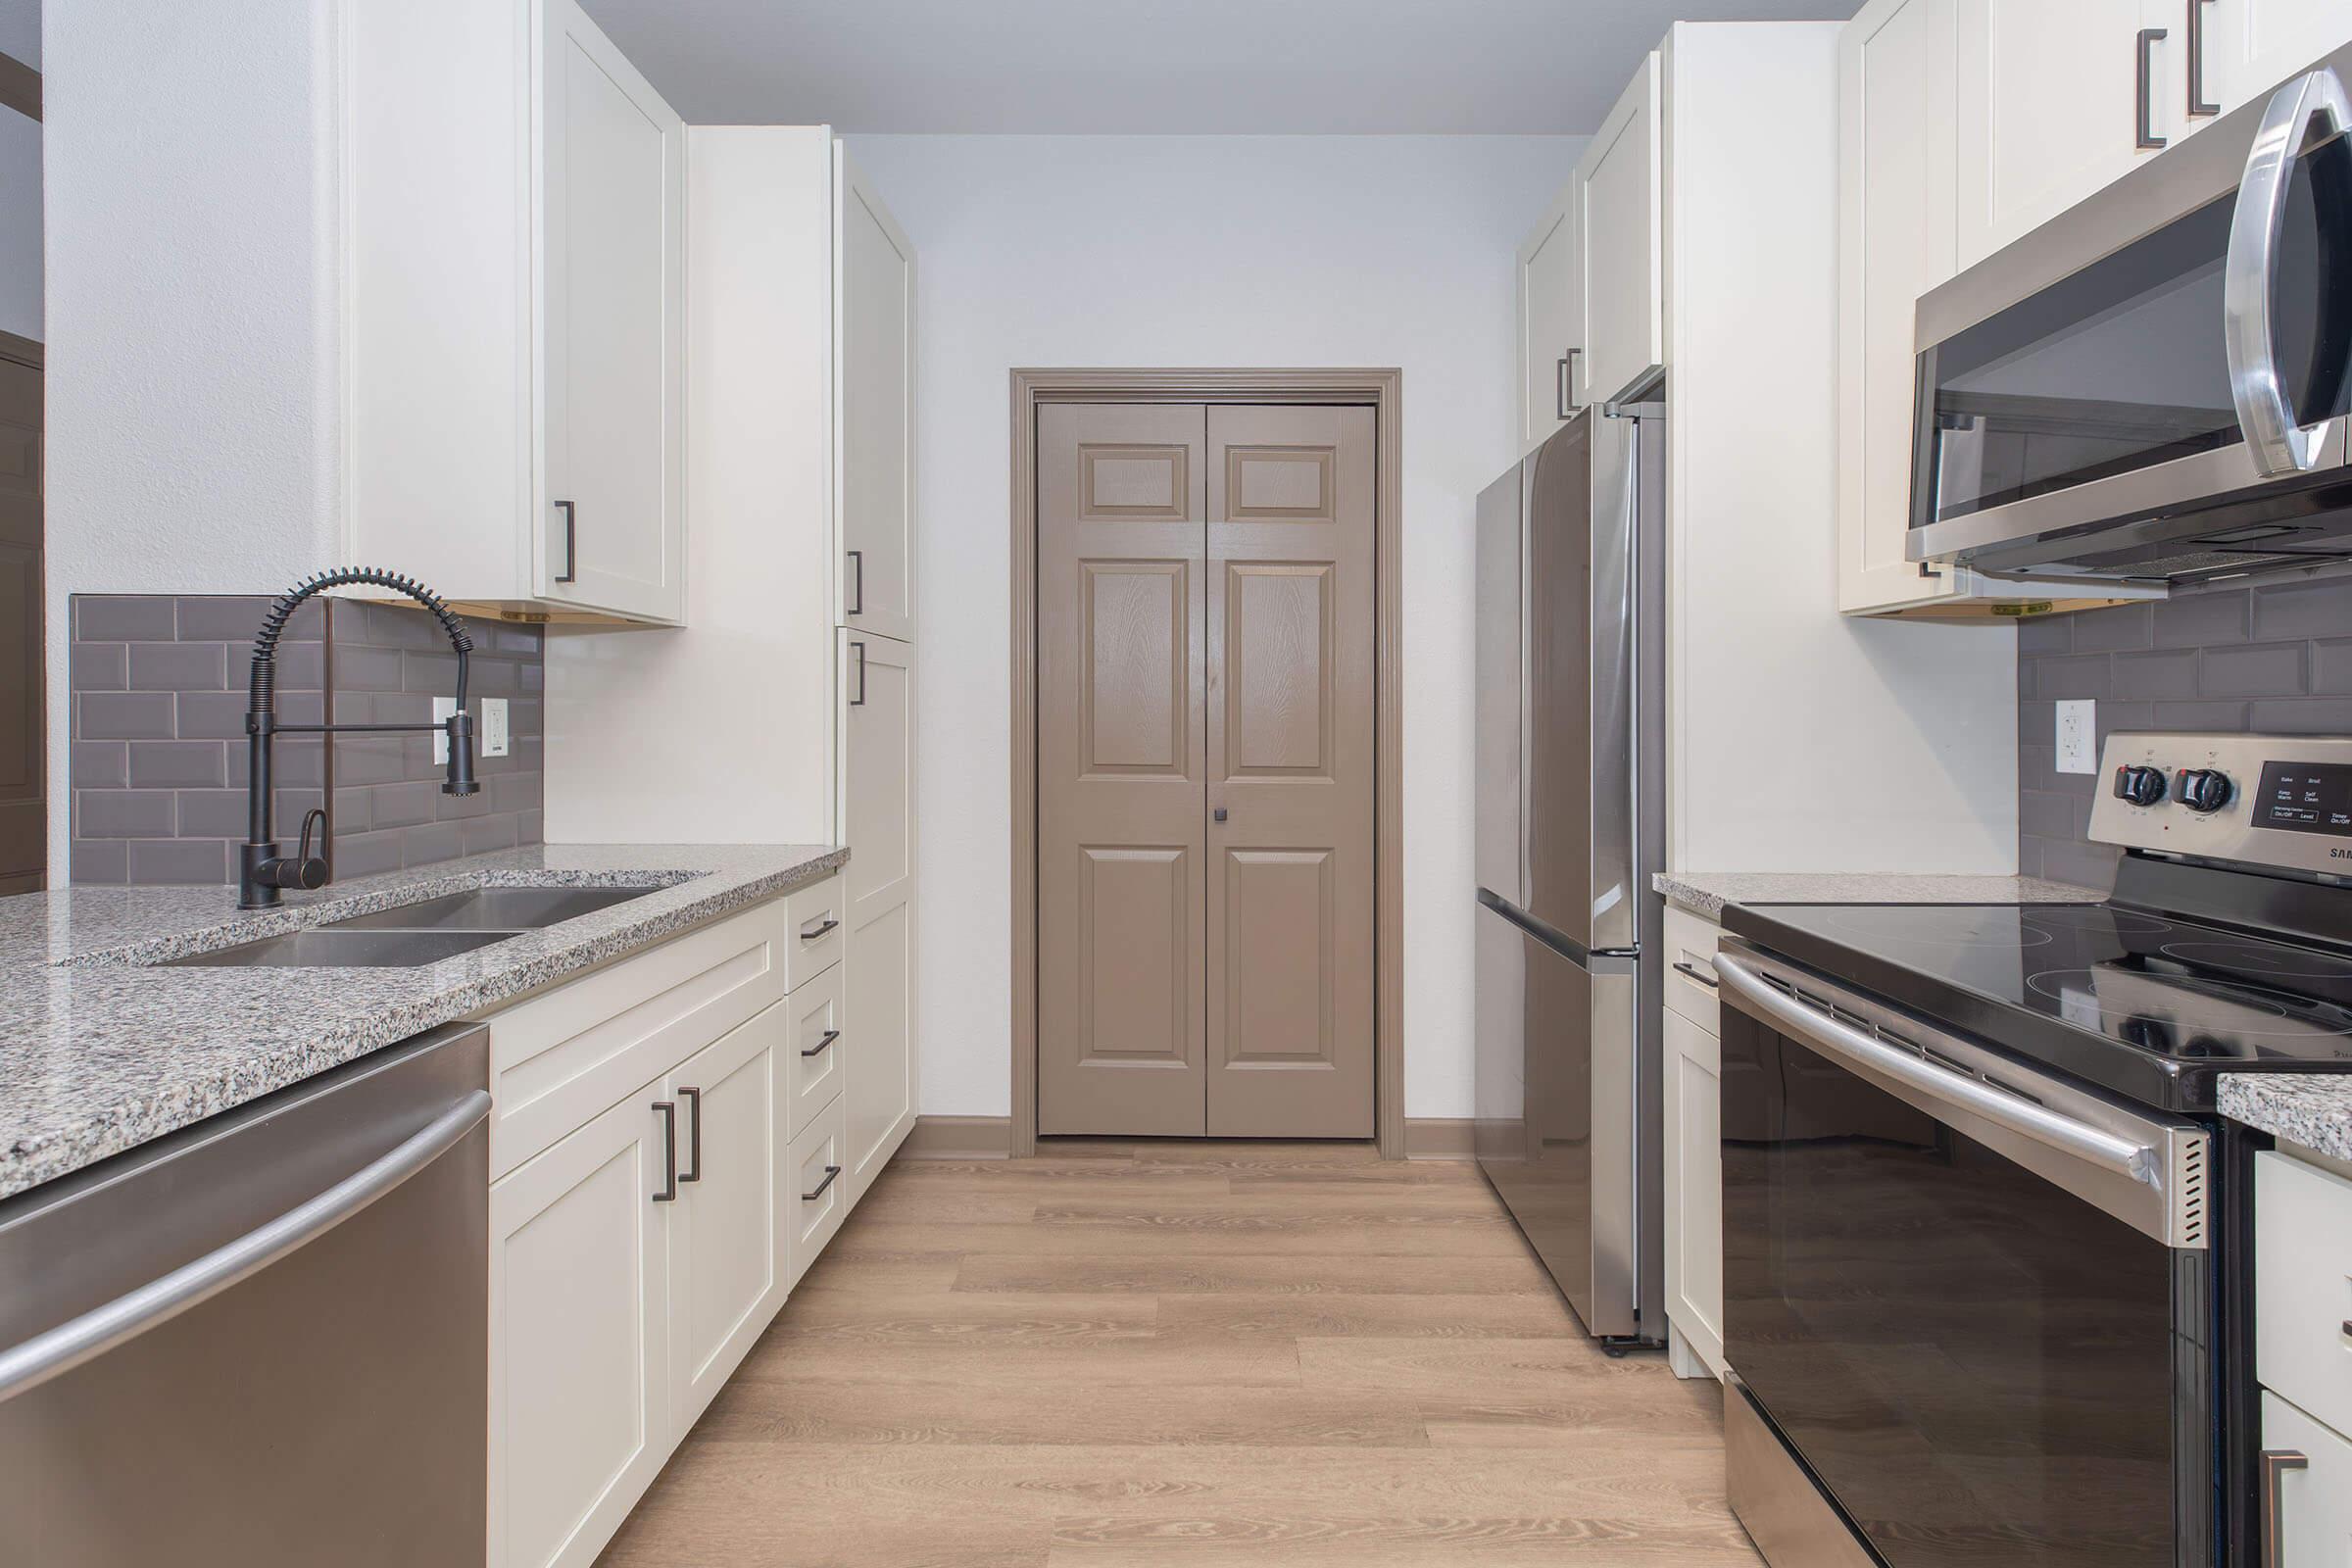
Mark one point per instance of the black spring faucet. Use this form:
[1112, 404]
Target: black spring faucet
[263, 873]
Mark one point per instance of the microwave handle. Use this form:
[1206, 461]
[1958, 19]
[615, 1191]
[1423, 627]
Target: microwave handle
[2279, 444]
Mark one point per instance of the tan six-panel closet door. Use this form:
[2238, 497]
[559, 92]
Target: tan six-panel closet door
[1205, 645]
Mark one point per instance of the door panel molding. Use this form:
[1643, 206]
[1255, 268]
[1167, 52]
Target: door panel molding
[1267, 486]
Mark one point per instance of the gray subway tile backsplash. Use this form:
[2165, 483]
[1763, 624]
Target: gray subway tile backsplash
[159, 758]
[2273, 657]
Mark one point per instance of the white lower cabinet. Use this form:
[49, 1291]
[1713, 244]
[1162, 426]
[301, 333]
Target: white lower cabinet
[636, 1259]
[581, 1419]
[817, 1195]
[727, 1236]
[878, 1097]
[2309, 1469]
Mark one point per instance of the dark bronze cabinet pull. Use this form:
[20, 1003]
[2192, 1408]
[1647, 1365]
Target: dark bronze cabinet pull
[831, 1171]
[858, 700]
[2145, 76]
[825, 925]
[1560, 379]
[857, 579]
[2197, 104]
[2275, 1463]
[571, 545]
[694, 1136]
[1707, 980]
[667, 1110]
[822, 1041]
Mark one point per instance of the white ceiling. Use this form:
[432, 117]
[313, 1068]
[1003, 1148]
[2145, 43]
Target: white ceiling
[1157, 67]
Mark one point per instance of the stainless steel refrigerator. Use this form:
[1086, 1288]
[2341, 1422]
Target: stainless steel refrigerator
[1570, 792]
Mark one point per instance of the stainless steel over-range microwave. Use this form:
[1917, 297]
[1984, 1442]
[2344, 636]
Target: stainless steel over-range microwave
[2153, 385]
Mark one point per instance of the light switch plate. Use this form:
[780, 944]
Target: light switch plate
[443, 708]
[494, 726]
[2079, 736]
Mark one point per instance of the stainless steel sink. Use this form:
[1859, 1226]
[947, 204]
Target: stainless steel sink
[492, 910]
[345, 950]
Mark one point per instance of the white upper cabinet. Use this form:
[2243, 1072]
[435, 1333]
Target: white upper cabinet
[1901, 178]
[2054, 101]
[2238, 50]
[1620, 225]
[612, 531]
[1552, 323]
[513, 204]
[873, 363]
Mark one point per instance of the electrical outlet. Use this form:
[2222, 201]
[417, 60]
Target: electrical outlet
[494, 726]
[2079, 736]
[443, 708]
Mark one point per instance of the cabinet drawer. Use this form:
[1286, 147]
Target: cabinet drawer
[559, 1059]
[815, 1049]
[815, 1192]
[2313, 1521]
[816, 914]
[1691, 955]
[2303, 1285]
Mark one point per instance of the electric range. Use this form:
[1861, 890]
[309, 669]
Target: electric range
[1986, 1244]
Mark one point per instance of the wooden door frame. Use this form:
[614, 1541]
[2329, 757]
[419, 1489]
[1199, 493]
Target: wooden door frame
[1380, 389]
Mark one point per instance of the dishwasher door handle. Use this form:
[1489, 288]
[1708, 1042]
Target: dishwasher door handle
[59, 1351]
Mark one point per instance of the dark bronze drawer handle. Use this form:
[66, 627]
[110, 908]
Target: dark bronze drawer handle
[831, 1171]
[1707, 980]
[824, 1040]
[694, 1135]
[667, 1110]
[823, 928]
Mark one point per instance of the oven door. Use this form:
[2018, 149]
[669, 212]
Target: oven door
[1971, 1300]
[2109, 397]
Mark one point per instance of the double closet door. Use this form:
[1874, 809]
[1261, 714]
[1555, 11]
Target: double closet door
[1205, 770]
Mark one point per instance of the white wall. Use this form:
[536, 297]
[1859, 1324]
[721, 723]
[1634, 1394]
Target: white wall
[192, 322]
[1175, 251]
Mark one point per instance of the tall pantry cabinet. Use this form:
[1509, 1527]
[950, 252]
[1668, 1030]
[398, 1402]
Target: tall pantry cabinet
[785, 711]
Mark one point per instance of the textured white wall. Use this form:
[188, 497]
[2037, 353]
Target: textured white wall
[192, 319]
[1201, 250]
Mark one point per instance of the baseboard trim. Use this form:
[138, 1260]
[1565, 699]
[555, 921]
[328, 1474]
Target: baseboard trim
[958, 1137]
[991, 1138]
[1439, 1137]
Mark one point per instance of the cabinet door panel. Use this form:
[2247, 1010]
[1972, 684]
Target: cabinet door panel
[1621, 229]
[2250, 46]
[873, 358]
[878, 761]
[1550, 321]
[612, 529]
[579, 1353]
[727, 1239]
[817, 1045]
[877, 1092]
[2047, 106]
[2315, 1498]
[1694, 1188]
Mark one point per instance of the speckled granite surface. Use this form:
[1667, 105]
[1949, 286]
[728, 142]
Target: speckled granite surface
[2310, 1110]
[99, 1053]
[1706, 893]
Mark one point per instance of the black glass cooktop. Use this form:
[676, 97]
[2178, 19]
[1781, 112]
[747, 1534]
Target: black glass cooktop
[2149, 1005]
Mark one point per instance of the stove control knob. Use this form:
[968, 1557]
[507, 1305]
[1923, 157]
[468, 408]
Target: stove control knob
[2141, 786]
[2203, 790]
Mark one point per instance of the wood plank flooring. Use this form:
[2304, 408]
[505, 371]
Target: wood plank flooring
[1188, 1356]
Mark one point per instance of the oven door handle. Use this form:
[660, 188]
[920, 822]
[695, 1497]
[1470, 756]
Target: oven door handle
[68, 1346]
[2091, 1145]
[2280, 444]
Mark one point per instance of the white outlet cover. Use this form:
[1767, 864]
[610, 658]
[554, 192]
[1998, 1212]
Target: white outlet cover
[2077, 736]
[494, 726]
[443, 708]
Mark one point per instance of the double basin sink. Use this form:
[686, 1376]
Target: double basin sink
[411, 935]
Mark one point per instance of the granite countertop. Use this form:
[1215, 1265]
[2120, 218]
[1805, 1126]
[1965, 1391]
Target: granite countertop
[99, 1052]
[1706, 893]
[2313, 1109]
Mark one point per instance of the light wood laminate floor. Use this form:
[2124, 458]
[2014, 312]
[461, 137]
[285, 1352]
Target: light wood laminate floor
[1188, 1356]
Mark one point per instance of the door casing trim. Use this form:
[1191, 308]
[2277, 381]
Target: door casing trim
[1380, 389]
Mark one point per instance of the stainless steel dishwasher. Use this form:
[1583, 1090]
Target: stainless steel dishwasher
[262, 1340]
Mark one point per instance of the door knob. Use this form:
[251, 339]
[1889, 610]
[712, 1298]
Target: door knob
[1219, 814]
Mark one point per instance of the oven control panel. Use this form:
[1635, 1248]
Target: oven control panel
[2280, 801]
